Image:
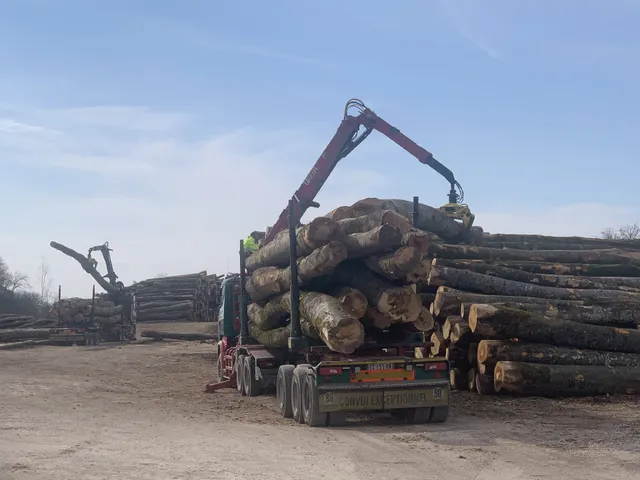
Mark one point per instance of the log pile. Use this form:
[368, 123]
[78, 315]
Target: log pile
[181, 298]
[537, 315]
[358, 267]
[19, 331]
[79, 312]
[11, 321]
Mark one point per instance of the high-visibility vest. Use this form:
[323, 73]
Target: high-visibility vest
[250, 244]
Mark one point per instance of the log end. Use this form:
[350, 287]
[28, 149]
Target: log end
[477, 312]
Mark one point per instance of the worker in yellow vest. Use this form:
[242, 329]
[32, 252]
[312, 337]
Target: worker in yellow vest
[251, 242]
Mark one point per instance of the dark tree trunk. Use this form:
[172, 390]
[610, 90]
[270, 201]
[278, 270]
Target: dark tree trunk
[458, 379]
[587, 241]
[380, 239]
[353, 300]
[489, 321]
[23, 334]
[565, 380]
[469, 252]
[87, 266]
[395, 265]
[484, 384]
[544, 280]
[477, 282]
[579, 269]
[490, 352]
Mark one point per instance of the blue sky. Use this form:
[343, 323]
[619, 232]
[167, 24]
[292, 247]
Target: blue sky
[156, 125]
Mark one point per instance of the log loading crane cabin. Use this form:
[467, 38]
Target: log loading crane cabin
[313, 384]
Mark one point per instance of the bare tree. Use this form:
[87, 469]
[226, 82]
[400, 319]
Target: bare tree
[17, 281]
[45, 280]
[160, 275]
[624, 232]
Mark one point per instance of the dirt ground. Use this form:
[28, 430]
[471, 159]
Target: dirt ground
[138, 411]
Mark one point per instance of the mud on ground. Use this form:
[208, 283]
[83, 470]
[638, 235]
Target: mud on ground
[138, 411]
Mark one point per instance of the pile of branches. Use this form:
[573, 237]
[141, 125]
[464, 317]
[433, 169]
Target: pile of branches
[357, 269]
[181, 298]
[537, 315]
[78, 312]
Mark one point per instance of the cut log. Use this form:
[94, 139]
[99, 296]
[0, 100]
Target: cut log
[353, 300]
[23, 344]
[458, 379]
[315, 234]
[268, 281]
[162, 307]
[627, 315]
[477, 282]
[425, 322]
[364, 223]
[586, 241]
[167, 317]
[341, 213]
[402, 304]
[23, 334]
[277, 337]
[456, 356]
[579, 269]
[460, 334]
[380, 239]
[491, 352]
[542, 246]
[484, 384]
[339, 329]
[484, 369]
[158, 335]
[87, 266]
[471, 379]
[565, 380]
[449, 323]
[450, 300]
[395, 265]
[420, 275]
[417, 238]
[473, 252]
[438, 344]
[501, 323]
[544, 280]
[429, 218]
[376, 319]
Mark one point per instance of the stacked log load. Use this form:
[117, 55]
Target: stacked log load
[358, 268]
[181, 298]
[76, 312]
[537, 315]
[23, 330]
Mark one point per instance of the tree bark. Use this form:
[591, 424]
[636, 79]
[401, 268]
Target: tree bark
[420, 274]
[341, 213]
[543, 245]
[380, 239]
[339, 329]
[315, 234]
[579, 269]
[268, 281]
[177, 336]
[395, 265]
[477, 282]
[484, 384]
[491, 352]
[457, 356]
[163, 306]
[429, 218]
[472, 353]
[364, 223]
[353, 300]
[461, 334]
[417, 238]
[585, 241]
[565, 380]
[87, 266]
[622, 315]
[544, 280]
[402, 304]
[489, 321]
[277, 337]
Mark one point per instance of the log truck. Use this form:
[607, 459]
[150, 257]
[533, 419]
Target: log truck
[314, 385]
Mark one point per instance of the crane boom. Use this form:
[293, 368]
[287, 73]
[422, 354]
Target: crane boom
[352, 131]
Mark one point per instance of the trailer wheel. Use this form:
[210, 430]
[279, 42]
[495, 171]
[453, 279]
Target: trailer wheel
[298, 380]
[240, 374]
[439, 414]
[311, 402]
[283, 390]
[417, 416]
[253, 387]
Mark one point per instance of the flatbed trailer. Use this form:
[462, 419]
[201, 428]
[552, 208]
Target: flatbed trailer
[316, 386]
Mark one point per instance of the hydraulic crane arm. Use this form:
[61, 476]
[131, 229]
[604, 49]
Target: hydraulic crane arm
[352, 131]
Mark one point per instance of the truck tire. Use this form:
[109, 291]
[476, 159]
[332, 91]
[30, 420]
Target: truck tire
[417, 416]
[240, 374]
[298, 380]
[252, 387]
[283, 390]
[311, 402]
[439, 414]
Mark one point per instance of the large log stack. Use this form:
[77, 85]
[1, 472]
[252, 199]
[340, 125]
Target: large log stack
[181, 298]
[537, 315]
[77, 312]
[358, 268]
